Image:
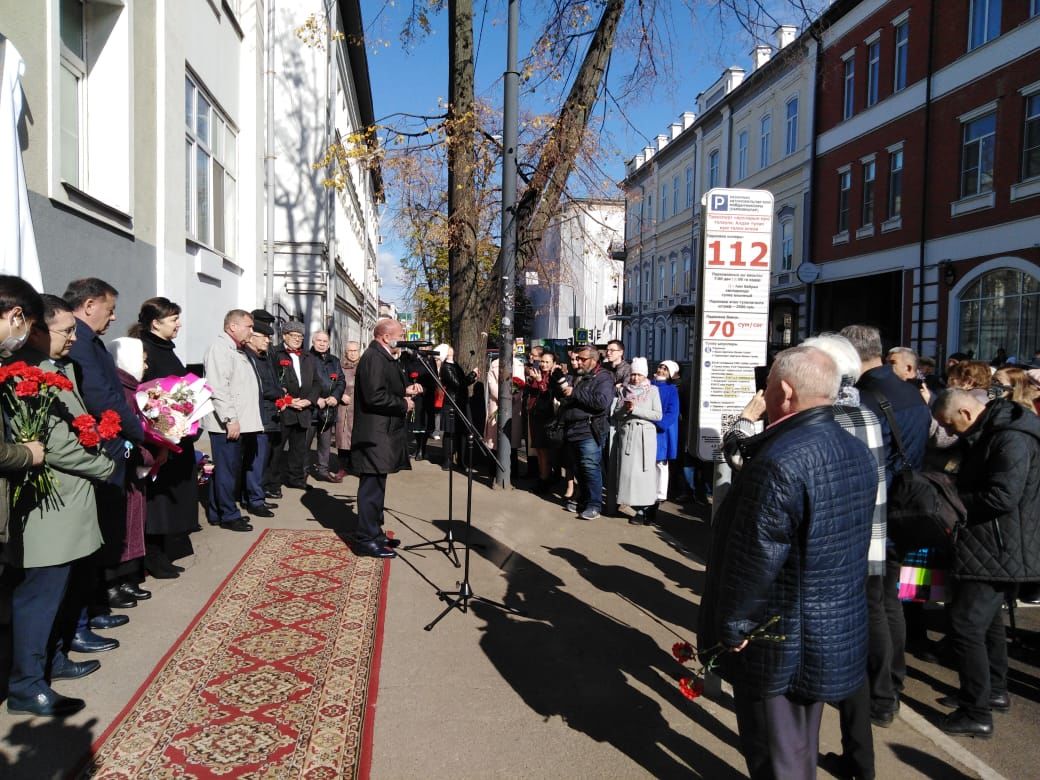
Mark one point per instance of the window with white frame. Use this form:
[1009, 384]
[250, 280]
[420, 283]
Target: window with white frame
[984, 22]
[902, 51]
[791, 134]
[873, 71]
[660, 278]
[72, 85]
[92, 101]
[977, 155]
[687, 270]
[689, 186]
[844, 187]
[869, 176]
[765, 138]
[664, 202]
[210, 171]
[1000, 309]
[675, 195]
[849, 88]
[648, 276]
[895, 183]
[786, 244]
[742, 155]
[1031, 138]
[673, 284]
[713, 169]
[636, 278]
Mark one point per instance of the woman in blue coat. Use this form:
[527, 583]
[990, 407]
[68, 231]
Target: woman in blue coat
[666, 380]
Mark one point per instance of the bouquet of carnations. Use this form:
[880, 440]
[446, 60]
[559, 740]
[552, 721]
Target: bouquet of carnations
[693, 687]
[29, 392]
[173, 408]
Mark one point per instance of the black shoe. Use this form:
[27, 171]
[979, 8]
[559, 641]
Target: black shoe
[241, 524]
[298, 485]
[162, 574]
[87, 641]
[960, 724]
[72, 670]
[272, 494]
[119, 600]
[47, 705]
[108, 621]
[259, 510]
[386, 541]
[638, 518]
[134, 592]
[999, 702]
[176, 568]
[374, 549]
[883, 718]
[269, 505]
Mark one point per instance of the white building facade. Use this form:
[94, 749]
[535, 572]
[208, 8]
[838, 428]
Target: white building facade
[144, 143]
[579, 281]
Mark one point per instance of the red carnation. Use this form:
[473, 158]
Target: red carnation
[285, 362]
[283, 402]
[54, 379]
[110, 425]
[414, 375]
[32, 374]
[691, 687]
[333, 376]
[683, 651]
[27, 388]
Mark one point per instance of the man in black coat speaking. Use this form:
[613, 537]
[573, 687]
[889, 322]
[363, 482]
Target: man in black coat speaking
[382, 400]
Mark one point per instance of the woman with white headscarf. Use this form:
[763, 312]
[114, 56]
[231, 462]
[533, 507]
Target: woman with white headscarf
[637, 411]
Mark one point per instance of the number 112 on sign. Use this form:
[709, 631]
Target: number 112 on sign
[739, 256]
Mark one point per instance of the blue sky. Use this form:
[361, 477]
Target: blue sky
[694, 47]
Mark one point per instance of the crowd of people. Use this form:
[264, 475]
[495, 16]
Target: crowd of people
[800, 542]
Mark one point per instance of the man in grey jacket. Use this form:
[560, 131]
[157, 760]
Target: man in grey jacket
[236, 414]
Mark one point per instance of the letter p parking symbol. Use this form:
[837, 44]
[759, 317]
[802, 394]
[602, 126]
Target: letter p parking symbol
[719, 202]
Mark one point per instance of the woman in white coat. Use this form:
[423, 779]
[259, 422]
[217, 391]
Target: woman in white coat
[638, 408]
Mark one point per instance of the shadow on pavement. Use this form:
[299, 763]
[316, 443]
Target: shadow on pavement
[48, 748]
[686, 578]
[335, 513]
[571, 660]
[927, 764]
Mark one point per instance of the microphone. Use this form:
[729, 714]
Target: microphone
[414, 344]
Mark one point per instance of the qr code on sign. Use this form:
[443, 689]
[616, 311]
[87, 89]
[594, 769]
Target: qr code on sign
[728, 421]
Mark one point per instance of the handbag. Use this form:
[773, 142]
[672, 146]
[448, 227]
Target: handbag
[554, 433]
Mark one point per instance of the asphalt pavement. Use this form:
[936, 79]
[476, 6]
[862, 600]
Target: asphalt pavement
[559, 666]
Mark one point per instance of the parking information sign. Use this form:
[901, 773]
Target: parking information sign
[734, 295]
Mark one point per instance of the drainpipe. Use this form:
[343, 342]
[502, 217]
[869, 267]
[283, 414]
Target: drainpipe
[269, 160]
[926, 156]
[809, 215]
[329, 304]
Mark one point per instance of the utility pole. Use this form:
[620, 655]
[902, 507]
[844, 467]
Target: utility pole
[269, 161]
[511, 109]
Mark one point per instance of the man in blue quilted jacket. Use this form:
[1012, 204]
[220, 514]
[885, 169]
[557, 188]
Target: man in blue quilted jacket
[790, 542]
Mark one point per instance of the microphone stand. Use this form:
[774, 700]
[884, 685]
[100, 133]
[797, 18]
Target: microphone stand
[446, 544]
[460, 599]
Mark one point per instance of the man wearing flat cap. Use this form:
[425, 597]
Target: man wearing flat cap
[256, 456]
[298, 375]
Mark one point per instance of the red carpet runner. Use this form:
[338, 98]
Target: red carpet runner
[271, 680]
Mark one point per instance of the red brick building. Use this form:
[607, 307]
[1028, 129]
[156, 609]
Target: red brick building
[926, 184]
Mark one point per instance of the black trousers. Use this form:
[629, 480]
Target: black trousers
[779, 736]
[290, 462]
[857, 734]
[981, 644]
[35, 603]
[886, 659]
[371, 495]
[272, 475]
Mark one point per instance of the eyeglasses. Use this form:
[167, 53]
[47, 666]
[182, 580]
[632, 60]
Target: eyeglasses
[614, 349]
[68, 332]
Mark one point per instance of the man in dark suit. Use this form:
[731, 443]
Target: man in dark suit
[380, 437]
[300, 379]
[93, 302]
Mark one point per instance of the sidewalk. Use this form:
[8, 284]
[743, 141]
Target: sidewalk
[584, 686]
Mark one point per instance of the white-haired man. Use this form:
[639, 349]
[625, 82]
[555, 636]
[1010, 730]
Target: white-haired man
[791, 541]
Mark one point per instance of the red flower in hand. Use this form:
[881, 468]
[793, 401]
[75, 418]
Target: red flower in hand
[110, 425]
[284, 401]
[285, 363]
[683, 652]
[27, 388]
[333, 377]
[54, 379]
[691, 687]
[86, 427]
[414, 375]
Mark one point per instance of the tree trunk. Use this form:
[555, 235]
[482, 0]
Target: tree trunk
[463, 270]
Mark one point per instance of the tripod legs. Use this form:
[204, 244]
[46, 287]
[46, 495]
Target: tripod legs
[445, 545]
[462, 597]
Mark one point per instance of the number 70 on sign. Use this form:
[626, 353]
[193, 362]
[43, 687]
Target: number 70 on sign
[738, 255]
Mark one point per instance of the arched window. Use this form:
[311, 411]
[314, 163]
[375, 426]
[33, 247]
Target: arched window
[1000, 309]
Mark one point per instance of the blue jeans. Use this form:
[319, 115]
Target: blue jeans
[586, 454]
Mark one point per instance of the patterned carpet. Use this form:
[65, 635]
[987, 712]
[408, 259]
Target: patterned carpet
[271, 680]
